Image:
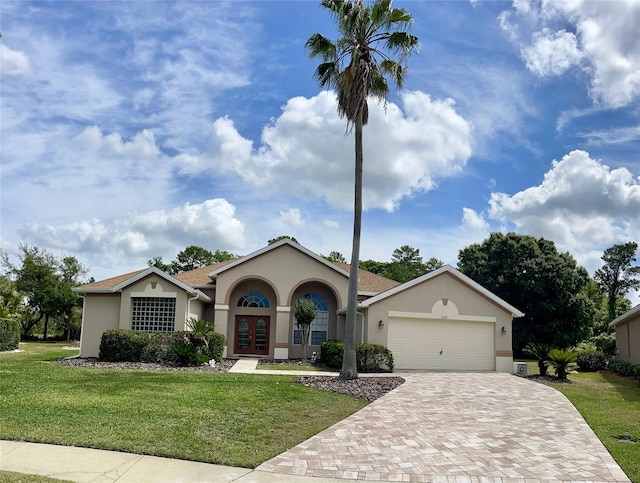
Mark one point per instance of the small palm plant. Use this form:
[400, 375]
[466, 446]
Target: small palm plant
[539, 352]
[200, 331]
[562, 362]
[304, 312]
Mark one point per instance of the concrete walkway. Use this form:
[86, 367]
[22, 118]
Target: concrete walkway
[437, 427]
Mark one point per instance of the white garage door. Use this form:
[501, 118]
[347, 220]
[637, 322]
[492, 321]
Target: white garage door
[440, 344]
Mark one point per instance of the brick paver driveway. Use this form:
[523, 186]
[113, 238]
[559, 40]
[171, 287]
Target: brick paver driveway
[458, 427]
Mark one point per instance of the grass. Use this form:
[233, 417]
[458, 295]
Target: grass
[11, 477]
[224, 418]
[611, 406]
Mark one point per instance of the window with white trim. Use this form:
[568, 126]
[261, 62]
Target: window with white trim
[320, 324]
[253, 298]
[153, 314]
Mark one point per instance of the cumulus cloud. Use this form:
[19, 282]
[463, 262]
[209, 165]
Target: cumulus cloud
[13, 62]
[473, 220]
[211, 223]
[292, 217]
[580, 203]
[599, 37]
[305, 152]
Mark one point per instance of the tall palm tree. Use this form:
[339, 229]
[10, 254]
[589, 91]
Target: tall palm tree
[373, 43]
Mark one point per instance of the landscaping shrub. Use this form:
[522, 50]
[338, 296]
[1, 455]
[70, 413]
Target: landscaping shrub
[539, 352]
[625, 368]
[369, 357]
[373, 358]
[216, 343]
[562, 361]
[122, 345]
[331, 353]
[605, 343]
[589, 357]
[9, 334]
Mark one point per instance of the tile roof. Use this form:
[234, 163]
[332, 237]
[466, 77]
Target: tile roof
[367, 281]
[370, 282]
[111, 282]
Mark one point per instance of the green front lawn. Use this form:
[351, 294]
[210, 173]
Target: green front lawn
[611, 406]
[224, 418]
[11, 477]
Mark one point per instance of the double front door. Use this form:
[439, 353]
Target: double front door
[252, 335]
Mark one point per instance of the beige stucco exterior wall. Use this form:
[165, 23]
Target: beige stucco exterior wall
[628, 339]
[422, 298]
[282, 270]
[154, 286]
[100, 313]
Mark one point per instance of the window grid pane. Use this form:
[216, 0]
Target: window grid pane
[153, 314]
[319, 326]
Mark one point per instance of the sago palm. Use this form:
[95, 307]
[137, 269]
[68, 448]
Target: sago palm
[373, 44]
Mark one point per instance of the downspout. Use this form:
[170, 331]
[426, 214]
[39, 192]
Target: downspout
[186, 316]
[362, 333]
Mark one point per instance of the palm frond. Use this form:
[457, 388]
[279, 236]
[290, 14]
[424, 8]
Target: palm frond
[393, 69]
[320, 46]
[327, 74]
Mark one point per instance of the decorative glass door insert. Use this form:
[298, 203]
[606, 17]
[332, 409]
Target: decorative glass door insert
[252, 335]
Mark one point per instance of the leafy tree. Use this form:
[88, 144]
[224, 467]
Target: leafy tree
[618, 276]
[159, 263]
[530, 274]
[374, 266]
[46, 282]
[191, 258]
[356, 66]
[406, 264]
[304, 311]
[335, 257]
[433, 264]
[281, 237]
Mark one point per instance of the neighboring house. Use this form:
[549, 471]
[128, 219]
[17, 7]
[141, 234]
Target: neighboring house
[627, 328]
[442, 320]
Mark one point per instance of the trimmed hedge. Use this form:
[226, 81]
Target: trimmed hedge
[369, 357]
[9, 334]
[625, 368]
[122, 345]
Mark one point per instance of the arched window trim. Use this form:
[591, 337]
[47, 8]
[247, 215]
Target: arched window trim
[253, 298]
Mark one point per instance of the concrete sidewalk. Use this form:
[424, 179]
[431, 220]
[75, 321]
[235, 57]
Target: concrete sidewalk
[86, 465]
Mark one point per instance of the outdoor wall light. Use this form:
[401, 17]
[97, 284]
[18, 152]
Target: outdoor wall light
[381, 324]
[504, 330]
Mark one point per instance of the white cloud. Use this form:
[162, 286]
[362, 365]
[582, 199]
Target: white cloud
[13, 62]
[305, 152]
[473, 220]
[211, 223]
[552, 53]
[581, 204]
[601, 37]
[292, 217]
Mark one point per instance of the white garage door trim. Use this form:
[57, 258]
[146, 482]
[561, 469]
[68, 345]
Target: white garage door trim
[418, 341]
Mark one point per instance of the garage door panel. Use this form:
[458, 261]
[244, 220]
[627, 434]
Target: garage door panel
[439, 344]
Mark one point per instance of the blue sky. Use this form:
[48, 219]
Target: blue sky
[135, 129]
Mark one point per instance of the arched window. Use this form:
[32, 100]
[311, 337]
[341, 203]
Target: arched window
[319, 326]
[253, 298]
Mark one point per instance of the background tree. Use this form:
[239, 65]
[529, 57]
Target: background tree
[406, 264]
[282, 237]
[304, 311]
[356, 66]
[335, 257]
[46, 282]
[618, 276]
[191, 258]
[433, 264]
[531, 275]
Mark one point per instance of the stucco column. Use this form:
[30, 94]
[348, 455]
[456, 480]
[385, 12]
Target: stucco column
[283, 330]
[221, 320]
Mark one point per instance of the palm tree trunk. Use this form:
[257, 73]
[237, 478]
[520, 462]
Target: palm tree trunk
[349, 367]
